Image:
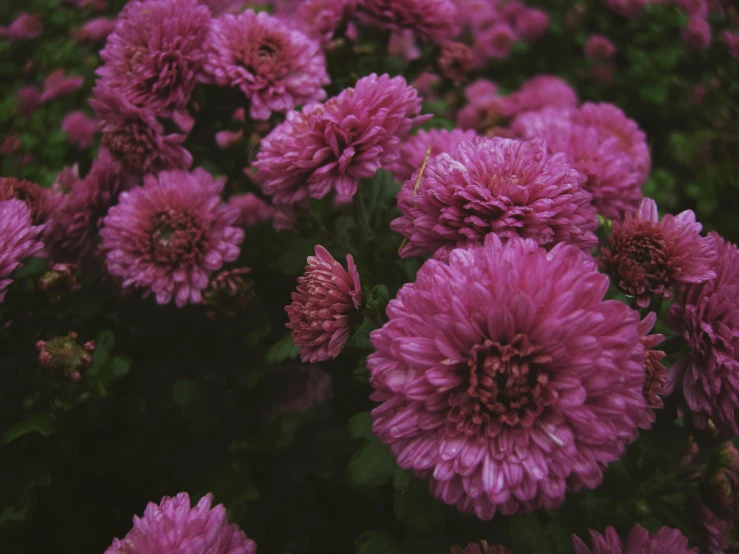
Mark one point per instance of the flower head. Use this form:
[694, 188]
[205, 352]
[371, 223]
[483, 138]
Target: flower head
[654, 372]
[328, 148]
[168, 236]
[134, 136]
[253, 210]
[707, 315]
[481, 547]
[277, 68]
[455, 60]
[229, 293]
[18, 239]
[433, 21]
[39, 201]
[507, 187]
[96, 29]
[23, 27]
[646, 256]
[719, 534]
[29, 99]
[174, 527]
[732, 43]
[80, 129]
[640, 541]
[156, 54]
[320, 19]
[413, 150]
[306, 386]
[57, 85]
[542, 91]
[219, 7]
[322, 305]
[697, 33]
[485, 108]
[531, 23]
[66, 355]
[505, 378]
[75, 228]
[599, 47]
[495, 43]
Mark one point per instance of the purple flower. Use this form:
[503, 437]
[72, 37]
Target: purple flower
[599, 47]
[156, 54]
[707, 316]
[495, 43]
[694, 7]
[697, 33]
[455, 60]
[530, 23]
[40, 202]
[628, 8]
[57, 85]
[228, 293]
[413, 150]
[542, 91]
[134, 135]
[654, 372]
[277, 68]
[75, 228]
[646, 256]
[507, 187]
[252, 210]
[306, 386]
[719, 534]
[174, 527]
[480, 548]
[640, 541]
[433, 21]
[80, 129]
[732, 43]
[65, 355]
[219, 7]
[18, 239]
[96, 29]
[485, 108]
[328, 148]
[320, 19]
[505, 378]
[24, 26]
[322, 306]
[168, 236]
[29, 99]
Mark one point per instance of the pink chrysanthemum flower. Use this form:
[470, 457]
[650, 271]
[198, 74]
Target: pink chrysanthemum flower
[219, 7]
[732, 43]
[707, 315]
[719, 535]
[134, 136]
[542, 91]
[40, 201]
[485, 108]
[494, 43]
[505, 378]
[320, 19]
[57, 85]
[306, 386]
[433, 21]
[168, 236]
[29, 99]
[654, 372]
[276, 67]
[24, 26]
[599, 47]
[640, 541]
[174, 527]
[646, 256]
[80, 129]
[18, 239]
[628, 8]
[697, 33]
[413, 150]
[508, 187]
[322, 305]
[96, 29]
[252, 209]
[156, 53]
[531, 23]
[75, 228]
[455, 60]
[328, 148]
[694, 7]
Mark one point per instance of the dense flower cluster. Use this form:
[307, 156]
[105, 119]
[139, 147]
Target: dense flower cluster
[18, 239]
[640, 541]
[327, 148]
[507, 187]
[494, 380]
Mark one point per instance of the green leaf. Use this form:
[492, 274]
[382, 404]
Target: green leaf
[282, 350]
[32, 268]
[413, 503]
[360, 338]
[528, 536]
[378, 298]
[372, 465]
[42, 424]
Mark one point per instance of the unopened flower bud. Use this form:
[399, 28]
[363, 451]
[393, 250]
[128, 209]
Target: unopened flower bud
[66, 355]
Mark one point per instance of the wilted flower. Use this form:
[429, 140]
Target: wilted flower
[480, 548]
[322, 306]
[697, 33]
[432, 20]
[96, 29]
[18, 239]
[72, 236]
[328, 148]
[174, 527]
[507, 187]
[80, 129]
[24, 26]
[646, 256]
[168, 236]
[57, 85]
[599, 47]
[134, 136]
[39, 201]
[277, 68]
[413, 150]
[65, 355]
[707, 316]
[505, 378]
[640, 541]
[252, 209]
[156, 54]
